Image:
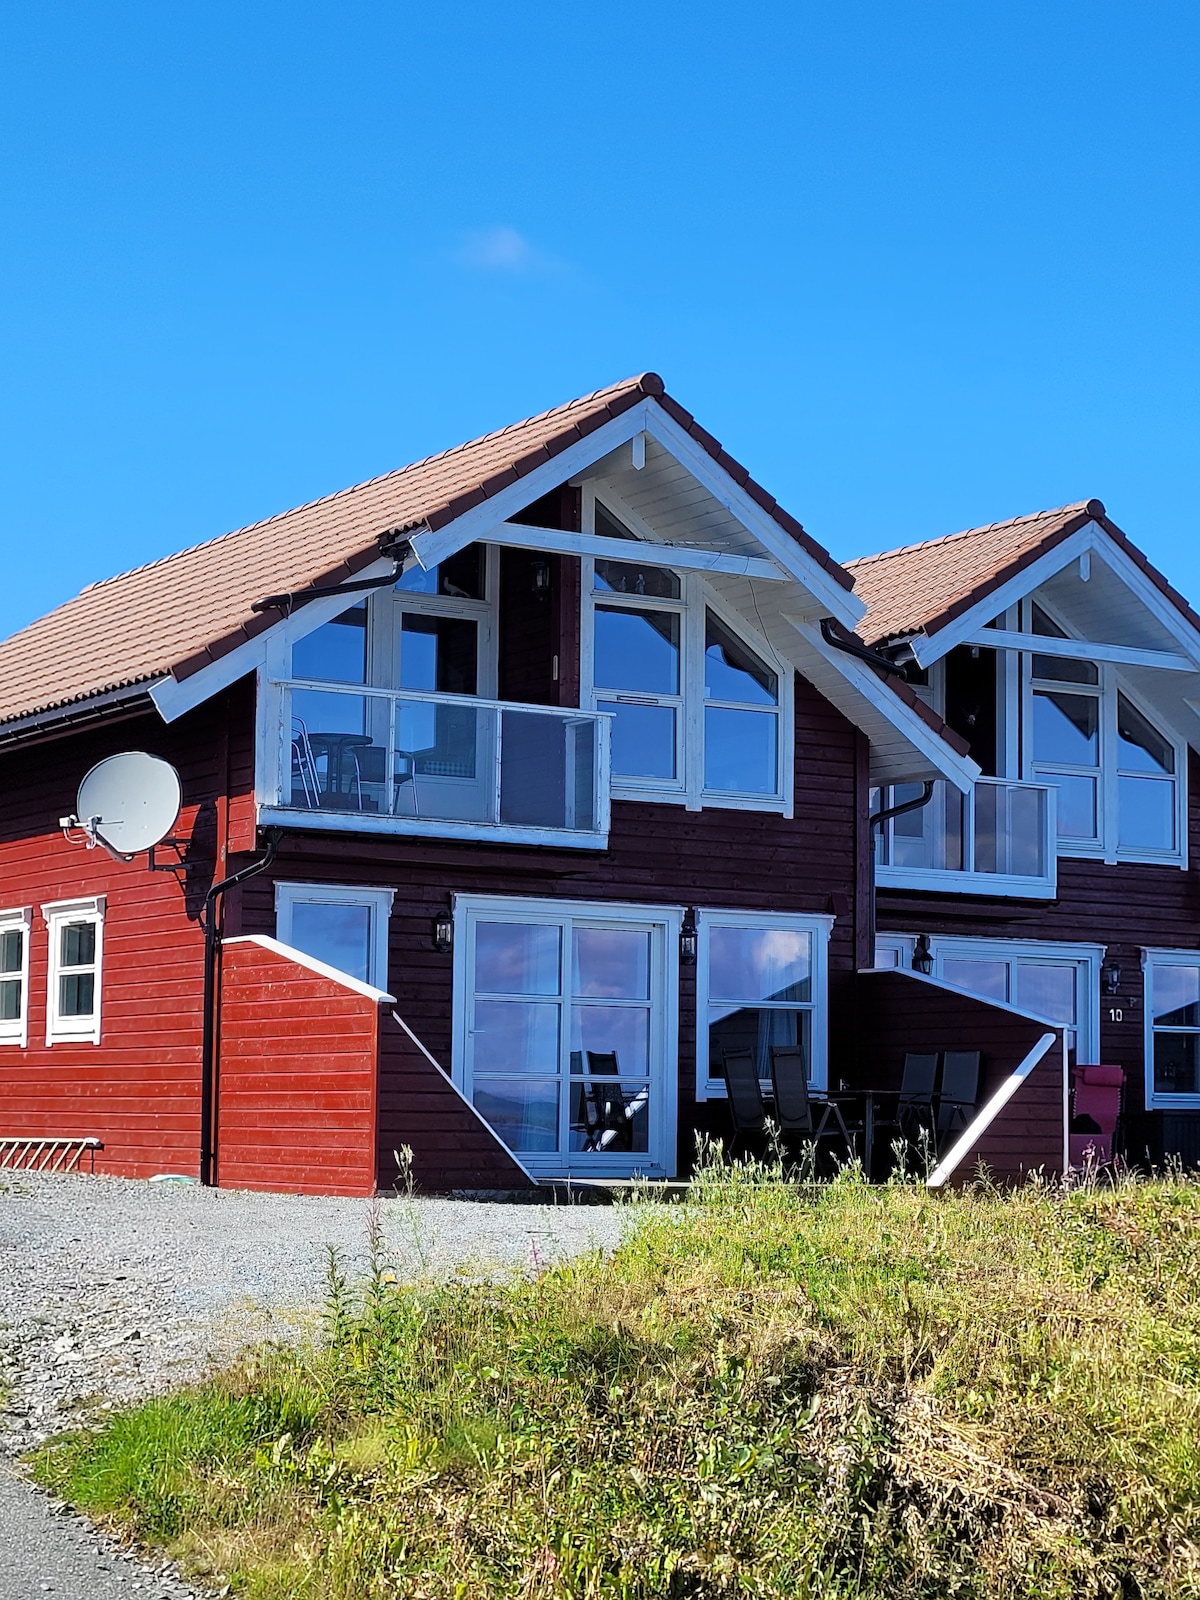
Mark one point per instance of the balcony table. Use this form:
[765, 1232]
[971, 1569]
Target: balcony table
[333, 746]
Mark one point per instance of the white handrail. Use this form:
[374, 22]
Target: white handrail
[973, 1132]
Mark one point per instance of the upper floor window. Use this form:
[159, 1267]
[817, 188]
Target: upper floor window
[76, 929]
[430, 633]
[1116, 773]
[698, 712]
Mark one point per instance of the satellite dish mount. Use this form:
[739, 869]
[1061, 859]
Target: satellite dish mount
[127, 803]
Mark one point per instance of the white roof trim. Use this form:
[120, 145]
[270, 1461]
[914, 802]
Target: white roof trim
[1091, 538]
[960, 770]
[321, 968]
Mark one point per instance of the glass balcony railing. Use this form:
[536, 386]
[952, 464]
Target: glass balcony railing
[999, 839]
[402, 761]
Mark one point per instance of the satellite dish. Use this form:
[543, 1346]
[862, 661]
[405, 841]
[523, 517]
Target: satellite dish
[129, 802]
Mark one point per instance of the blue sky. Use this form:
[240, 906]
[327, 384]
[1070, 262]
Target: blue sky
[919, 266]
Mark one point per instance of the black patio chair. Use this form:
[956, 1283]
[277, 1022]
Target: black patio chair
[795, 1112]
[746, 1105]
[914, 1113]
[959, 1092]
[607, 1116]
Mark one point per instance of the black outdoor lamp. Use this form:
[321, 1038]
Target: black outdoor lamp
[922, 959]
[443, 933]
[541, 577]
[688, 939]
[1110, 977]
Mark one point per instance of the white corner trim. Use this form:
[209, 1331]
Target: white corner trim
[437, 1066]
[972, 1133]
[321, 968]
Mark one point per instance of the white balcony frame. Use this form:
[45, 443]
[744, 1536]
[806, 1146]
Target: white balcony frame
[966, 880]
[274, 765]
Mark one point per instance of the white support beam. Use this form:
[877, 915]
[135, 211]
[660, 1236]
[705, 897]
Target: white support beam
[681, 557]
[1081, 650]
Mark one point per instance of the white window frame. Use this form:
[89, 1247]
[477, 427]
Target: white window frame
[1150, 960]
[710, 1086]
[378, 901]
[384, 606]
[57, 913]
[1087, 958]
[16, 1029]
[660, 1159]
[696, 598]
[1110, 684]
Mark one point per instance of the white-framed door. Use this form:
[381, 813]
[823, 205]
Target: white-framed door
[566, 1031]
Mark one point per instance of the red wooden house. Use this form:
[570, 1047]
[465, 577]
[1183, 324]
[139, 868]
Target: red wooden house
[547, 771]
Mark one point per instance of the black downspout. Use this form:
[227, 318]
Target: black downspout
[208, 1045]
[880, 817]
[852, 647]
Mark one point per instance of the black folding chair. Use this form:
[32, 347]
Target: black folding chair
[745, 1096]
[959, 1092]
[604, 1104]
[914, 1103]
[794, 1109]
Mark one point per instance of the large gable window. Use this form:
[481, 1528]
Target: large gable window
[698, 711]
[1117, 774]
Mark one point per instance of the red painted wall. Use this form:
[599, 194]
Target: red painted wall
[297, 1077]
[138, 1090]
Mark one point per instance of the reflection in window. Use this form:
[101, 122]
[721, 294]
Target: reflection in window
[987, 979]
[1145, 783]
[336, 933]
[1065, 669]
[12, 969]
[336, 652]
[461, 577]
[638, 652]
[557, 1000]
[1066, 735]
[439, 654]
[627, 577]
[760, 993]
[1174, 997]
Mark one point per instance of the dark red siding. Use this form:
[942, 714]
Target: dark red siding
[1125, 908]
[899, 1012]
[658, 855]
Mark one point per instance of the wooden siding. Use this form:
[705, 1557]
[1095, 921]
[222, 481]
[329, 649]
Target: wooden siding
[1125, 907]
[419, 1107]
[658, 855]
[297, 1076]
[138, 1090]
[899, 1012]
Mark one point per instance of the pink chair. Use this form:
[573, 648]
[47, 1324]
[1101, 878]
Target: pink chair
[1097, 1105]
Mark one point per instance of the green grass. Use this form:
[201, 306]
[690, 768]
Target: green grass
[768, 1392]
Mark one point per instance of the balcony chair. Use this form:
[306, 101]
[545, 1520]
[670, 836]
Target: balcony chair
[304, 766]
[746, 1106]
[959, 1093]
[795, 1112]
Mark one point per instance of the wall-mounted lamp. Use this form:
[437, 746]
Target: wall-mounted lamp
[688, 939]
[1110, 978]
[443, 933]
[541, 577]
[922, 959]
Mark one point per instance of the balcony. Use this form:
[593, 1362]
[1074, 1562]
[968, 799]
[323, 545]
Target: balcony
[439, 765]
[997, 840]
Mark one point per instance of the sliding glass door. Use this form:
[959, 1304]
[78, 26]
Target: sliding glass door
[564, 1036]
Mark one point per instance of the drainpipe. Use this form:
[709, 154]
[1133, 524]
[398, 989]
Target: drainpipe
[209, 1038]
[877, 821]
[852, 647]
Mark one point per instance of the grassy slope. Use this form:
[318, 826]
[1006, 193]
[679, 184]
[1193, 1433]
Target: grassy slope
[858, 1392]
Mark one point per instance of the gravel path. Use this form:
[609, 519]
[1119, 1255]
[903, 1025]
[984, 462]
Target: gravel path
[111, 1289]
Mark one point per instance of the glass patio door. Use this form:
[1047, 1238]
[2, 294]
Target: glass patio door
[564, 1030]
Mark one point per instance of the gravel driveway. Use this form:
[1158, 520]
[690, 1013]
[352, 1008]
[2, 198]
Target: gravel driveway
[110, 1289]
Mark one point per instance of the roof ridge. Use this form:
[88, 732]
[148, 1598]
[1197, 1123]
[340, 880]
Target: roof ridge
[968, 533]
[639, 380]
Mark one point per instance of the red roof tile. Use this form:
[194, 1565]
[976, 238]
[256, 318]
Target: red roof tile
[179, 613]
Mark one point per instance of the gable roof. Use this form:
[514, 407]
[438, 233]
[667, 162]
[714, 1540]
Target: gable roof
[175, 615]
[920, 588]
